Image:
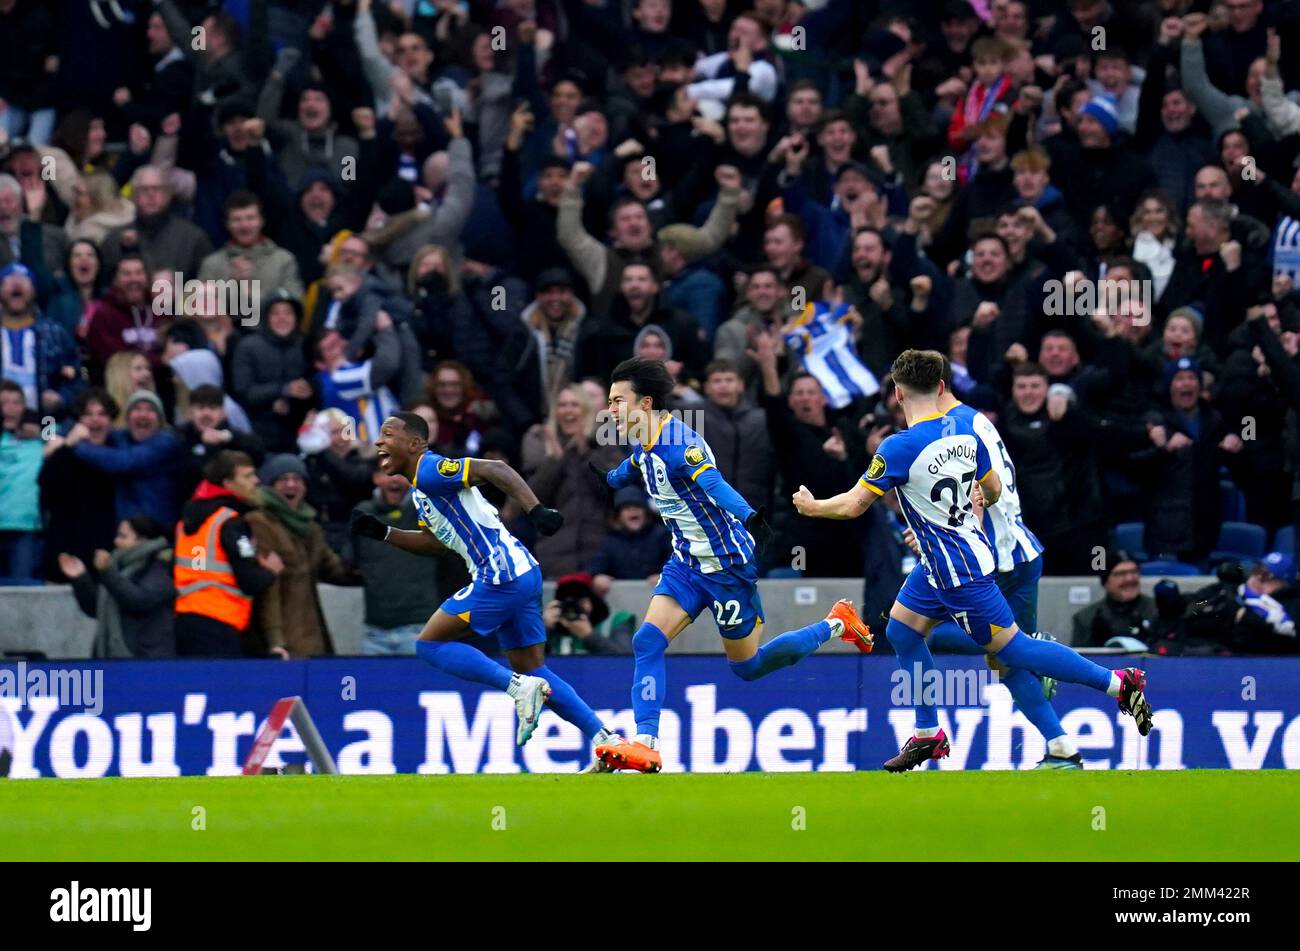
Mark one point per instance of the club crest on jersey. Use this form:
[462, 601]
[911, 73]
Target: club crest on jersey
[449, 467]
[694, 455]
[877, 467]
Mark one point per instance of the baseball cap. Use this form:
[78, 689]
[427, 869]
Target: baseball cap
[1280, 565]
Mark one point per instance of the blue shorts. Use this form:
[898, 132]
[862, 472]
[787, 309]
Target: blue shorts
[1020, 587]
[512, 611]
[977, 607]
[731, 594]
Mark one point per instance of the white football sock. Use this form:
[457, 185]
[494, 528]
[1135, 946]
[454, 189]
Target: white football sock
[1113, 689]
[928, 733]
[1061, 746]
[645, 739]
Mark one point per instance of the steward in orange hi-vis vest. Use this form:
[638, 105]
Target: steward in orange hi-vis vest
[205, 582]
[217, 570]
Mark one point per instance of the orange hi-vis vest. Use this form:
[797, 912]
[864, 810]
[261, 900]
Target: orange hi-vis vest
[205, 582]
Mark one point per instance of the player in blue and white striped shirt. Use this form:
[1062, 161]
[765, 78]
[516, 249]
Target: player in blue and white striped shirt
[1020, 566]
[713, 560]
[505, 596]
[940, 470]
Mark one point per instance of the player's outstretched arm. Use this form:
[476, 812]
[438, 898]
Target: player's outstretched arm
[417, 542]
[846, 505]
[547, 520]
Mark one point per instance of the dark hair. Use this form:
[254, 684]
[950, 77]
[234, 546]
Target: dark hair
[224, 464]
[9, 386]
[145, 527]
[920, 371]
[95, 395]
[799, 85]
[415, 424]
[647, 378]
[764, 267]
[187, 332]
[240, 199]
[622, 202]
[1029, 368]
[209, 394]
[746, 100]
[720, 366]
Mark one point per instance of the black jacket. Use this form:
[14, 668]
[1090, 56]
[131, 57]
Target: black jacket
[263, 364]
[606, 342]
[401, 588]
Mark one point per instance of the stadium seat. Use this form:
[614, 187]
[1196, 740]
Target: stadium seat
[1168, 569]
[784, 572]
[1240, 541]
[1129, 536]
[1284, 540]
[1232, 502]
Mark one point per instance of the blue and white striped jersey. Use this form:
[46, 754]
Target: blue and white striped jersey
[705, 535]
[933, 465]
[1012, 540]
[348, 388]
[456, 514]
[822, 336]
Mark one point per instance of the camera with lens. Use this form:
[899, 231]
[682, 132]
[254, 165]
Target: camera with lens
[571, 609]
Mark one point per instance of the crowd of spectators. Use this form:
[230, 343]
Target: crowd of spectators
[252, 229]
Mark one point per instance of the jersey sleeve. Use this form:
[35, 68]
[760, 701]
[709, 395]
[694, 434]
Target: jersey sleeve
[723, 494]
[888, 467]
[983, 462]
[624, 474]
[440, 475]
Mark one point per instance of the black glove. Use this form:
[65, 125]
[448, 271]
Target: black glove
[547, 521]
[367, 526]
[757, 526]
[602, 476]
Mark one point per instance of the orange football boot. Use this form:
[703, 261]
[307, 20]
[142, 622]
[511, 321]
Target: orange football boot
[628, 754]
[856, 631]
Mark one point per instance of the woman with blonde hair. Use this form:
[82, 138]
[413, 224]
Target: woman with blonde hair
[557, 455]
[97, 208]
[431, 259]
[126, 372]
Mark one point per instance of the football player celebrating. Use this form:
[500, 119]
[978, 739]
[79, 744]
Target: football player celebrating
[1020, 566]
[934, 465]
[713, 560]
[505, 596]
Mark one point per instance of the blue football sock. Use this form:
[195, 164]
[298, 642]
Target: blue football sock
[566, 702]
[914, 655]
[1050, 659]
[948, 638]
[1027, 692]
[649, 677]
[465, 662]
[783, 650]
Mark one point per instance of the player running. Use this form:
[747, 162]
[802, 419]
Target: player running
[713, 560]
[1020, 566]
[504, 597]
[935, 466]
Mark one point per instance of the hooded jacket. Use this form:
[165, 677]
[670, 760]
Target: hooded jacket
[263, 365]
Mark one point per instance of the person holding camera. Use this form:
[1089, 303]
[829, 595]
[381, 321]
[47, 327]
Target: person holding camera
[578, 621]
[1251, 613]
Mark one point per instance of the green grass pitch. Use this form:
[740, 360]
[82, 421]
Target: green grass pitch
[1197, 814]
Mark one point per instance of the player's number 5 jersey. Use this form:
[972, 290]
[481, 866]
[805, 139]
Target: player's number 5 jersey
[933, 465]
[456, 513]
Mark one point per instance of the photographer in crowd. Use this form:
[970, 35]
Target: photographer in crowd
[578, 621]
